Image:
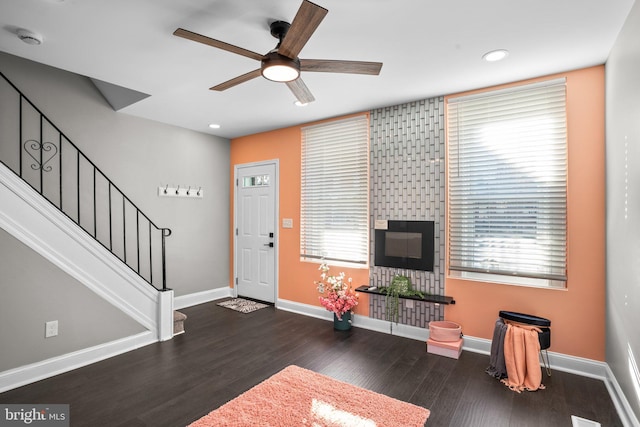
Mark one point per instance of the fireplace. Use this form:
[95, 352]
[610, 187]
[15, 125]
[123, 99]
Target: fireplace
[404, 244]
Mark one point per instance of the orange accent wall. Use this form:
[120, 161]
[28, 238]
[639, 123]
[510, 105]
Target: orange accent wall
[577, 313]
[295, 277]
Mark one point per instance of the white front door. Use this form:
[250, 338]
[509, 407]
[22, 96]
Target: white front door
[256, 227]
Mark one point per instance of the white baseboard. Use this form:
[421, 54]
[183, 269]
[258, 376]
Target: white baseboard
[184, 301]
[304, 309]
[557, 361]
[28, 374]
[363, 322]
[620, 401]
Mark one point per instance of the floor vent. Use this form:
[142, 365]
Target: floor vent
[583, 422]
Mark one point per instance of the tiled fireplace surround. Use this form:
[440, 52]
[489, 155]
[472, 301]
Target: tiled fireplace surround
[407, 178]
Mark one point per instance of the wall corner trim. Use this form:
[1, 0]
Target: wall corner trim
[33, 372]
[625, 412]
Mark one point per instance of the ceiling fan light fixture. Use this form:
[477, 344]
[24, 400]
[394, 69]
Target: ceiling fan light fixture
[279, 68]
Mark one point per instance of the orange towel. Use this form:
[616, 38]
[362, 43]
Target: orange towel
[521, 357]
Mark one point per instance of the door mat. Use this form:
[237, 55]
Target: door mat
[242, 305]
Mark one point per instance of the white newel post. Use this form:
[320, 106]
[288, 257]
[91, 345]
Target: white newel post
[165, 315]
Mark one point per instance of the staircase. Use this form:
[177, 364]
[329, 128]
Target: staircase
[58, 202]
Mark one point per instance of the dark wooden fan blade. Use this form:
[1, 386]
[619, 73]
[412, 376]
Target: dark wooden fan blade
[237, 80]
[303, 26]
[301, 91]
[337, 66]
[186, 34]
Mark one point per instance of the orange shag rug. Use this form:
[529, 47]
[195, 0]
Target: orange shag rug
[299, 397]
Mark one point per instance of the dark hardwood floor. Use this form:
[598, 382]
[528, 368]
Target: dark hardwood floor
[224, 353]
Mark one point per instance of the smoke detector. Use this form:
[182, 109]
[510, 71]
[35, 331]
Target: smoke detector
[29, 37]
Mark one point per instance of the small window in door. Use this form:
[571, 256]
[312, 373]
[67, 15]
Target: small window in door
[255, 181]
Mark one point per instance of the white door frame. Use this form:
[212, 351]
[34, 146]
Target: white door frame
[276, 228]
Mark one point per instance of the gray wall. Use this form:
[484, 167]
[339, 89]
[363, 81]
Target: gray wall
[35, 291]
[139, 155]
[407, 183]
[623, 208]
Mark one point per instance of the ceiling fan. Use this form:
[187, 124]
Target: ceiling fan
[282, 64]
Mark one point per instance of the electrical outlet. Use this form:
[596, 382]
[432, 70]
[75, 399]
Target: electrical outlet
[51, 329]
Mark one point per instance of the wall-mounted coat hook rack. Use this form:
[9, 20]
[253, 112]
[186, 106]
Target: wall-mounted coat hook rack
[180, 191]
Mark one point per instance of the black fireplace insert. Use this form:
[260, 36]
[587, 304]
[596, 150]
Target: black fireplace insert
[405, 244]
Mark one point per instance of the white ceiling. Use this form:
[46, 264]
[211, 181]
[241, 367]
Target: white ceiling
[428, 48]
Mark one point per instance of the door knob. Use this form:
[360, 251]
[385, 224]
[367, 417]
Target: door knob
[270, 244]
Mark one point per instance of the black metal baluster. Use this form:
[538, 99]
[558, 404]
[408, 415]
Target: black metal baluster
[78, 183]
[138, 238]
[150, 255]
[124, 228]
[20, 137]
[60, 167]
[164, 267]
[95, 216]
[110, 222]
[41, 158]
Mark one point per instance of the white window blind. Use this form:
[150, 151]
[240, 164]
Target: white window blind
[334, 193]
[507, 184]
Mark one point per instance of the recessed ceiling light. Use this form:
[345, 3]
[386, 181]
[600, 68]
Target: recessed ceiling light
[214, 126]
[300, 104]
[495, 55]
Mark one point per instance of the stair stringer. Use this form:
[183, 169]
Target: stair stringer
[33, 220]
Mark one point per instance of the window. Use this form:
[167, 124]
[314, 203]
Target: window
[334, 197]
[507, 185]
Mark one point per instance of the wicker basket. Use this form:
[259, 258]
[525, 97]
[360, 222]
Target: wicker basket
[444, 331]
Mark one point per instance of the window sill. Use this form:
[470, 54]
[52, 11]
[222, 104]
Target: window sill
[496, 279]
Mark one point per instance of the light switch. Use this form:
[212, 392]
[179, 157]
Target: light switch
[287, 223]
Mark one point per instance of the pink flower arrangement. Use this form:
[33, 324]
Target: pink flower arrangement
[340, 297]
